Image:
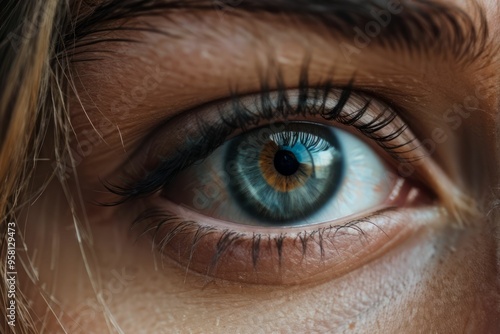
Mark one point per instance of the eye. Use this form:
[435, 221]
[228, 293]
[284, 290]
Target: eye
[280, 187]
[297, 173]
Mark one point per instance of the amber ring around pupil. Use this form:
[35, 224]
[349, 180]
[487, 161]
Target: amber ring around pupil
[281, 168]
[286, 172]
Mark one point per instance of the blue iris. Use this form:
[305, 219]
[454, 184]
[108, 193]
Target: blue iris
[286, 172]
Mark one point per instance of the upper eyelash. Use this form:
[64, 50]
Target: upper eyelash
[311, 101]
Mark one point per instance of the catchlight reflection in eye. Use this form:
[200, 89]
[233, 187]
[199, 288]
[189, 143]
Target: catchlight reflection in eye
[286, 174]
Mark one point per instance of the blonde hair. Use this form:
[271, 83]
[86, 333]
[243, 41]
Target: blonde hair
[30, 103]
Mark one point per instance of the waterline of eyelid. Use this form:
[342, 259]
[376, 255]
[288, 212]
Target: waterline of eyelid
[403, 194]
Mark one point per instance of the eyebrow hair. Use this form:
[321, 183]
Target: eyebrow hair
[423, 27]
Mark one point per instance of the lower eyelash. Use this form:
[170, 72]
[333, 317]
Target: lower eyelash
[164, 227]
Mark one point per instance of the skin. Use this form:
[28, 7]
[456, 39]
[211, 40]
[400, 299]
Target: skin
[439, 276]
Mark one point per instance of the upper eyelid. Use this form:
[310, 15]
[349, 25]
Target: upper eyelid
[407, 105]
[406, 88]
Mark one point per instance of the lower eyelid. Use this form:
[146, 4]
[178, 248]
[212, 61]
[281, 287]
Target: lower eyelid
[284, 256]
[283, 259]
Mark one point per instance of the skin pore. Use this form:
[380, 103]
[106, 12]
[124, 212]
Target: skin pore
[435, 273]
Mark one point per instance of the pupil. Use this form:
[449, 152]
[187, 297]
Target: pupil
[286, 163]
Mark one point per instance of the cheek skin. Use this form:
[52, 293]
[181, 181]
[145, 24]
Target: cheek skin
[440, 280]
[424, 285]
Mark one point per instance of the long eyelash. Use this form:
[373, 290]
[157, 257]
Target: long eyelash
[154, 220]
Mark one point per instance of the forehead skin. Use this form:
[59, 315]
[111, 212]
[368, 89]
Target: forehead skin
[442, 280]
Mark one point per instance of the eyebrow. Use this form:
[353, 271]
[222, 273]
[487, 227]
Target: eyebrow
[422, 27]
